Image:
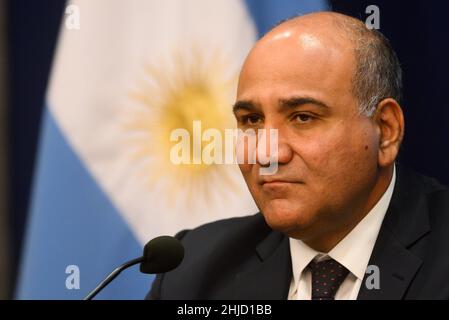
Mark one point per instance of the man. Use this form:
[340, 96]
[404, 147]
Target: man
[337, 220]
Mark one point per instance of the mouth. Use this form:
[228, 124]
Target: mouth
[274, 182]
[279, 189]
[278, 183]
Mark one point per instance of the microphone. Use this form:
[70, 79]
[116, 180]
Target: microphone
[160, 255]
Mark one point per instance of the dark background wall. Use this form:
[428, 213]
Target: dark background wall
[418, 31]
[32, 27]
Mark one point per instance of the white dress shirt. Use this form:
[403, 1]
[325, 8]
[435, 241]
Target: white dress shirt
[353, 252]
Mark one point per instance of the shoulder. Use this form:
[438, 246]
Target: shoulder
[437, 196]
[227, 237]
[418, 190]
[217, 231]
[435, 193]
[214, 253]
[410, 183]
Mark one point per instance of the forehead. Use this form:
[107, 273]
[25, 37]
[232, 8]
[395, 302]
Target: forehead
[291, 62]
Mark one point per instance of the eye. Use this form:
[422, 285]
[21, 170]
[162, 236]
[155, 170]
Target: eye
[303, 118]
[251, 120]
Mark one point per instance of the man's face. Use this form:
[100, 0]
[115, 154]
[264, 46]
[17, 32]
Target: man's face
[300, 84]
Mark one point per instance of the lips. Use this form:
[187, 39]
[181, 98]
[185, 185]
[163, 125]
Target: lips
[274, 182]
[280, 182]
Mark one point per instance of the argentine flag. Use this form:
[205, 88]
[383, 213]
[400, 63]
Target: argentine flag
[104, 184]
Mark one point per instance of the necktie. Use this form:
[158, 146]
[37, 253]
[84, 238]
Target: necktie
[327, 276]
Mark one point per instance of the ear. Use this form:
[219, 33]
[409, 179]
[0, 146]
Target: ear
[390, 121]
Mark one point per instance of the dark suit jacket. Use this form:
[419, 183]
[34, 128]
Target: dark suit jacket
[242, 258]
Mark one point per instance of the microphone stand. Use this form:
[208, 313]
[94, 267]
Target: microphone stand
[112, 276]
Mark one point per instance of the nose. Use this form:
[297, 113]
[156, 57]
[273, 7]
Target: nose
[285, 152]
[272, 147]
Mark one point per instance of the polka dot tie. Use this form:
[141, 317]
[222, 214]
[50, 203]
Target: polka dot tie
[327, 276]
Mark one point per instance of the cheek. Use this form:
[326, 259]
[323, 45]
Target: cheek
[342, 152]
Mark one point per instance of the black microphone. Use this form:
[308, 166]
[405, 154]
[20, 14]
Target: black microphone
[160, 255]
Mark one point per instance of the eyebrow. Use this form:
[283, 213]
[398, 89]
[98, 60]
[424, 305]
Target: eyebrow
[294, 102]
[244, 105]
[289, 103]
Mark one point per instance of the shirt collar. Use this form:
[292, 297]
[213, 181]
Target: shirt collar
[354, 250]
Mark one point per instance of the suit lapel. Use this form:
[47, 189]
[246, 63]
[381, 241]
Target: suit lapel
[270, 276]
[406, 223]
[397, 267]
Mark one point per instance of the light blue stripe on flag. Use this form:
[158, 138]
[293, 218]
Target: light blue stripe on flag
[72, 222]
[267, 13]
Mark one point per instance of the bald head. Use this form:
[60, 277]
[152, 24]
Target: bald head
[317, 79]
[375, 70]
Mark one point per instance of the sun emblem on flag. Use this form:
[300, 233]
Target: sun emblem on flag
[170, 96]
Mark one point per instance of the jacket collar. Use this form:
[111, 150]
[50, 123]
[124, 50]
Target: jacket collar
[406, 222]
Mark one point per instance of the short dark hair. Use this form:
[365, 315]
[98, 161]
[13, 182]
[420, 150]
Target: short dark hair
[378, 73]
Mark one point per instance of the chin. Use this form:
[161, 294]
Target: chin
[285, 218]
